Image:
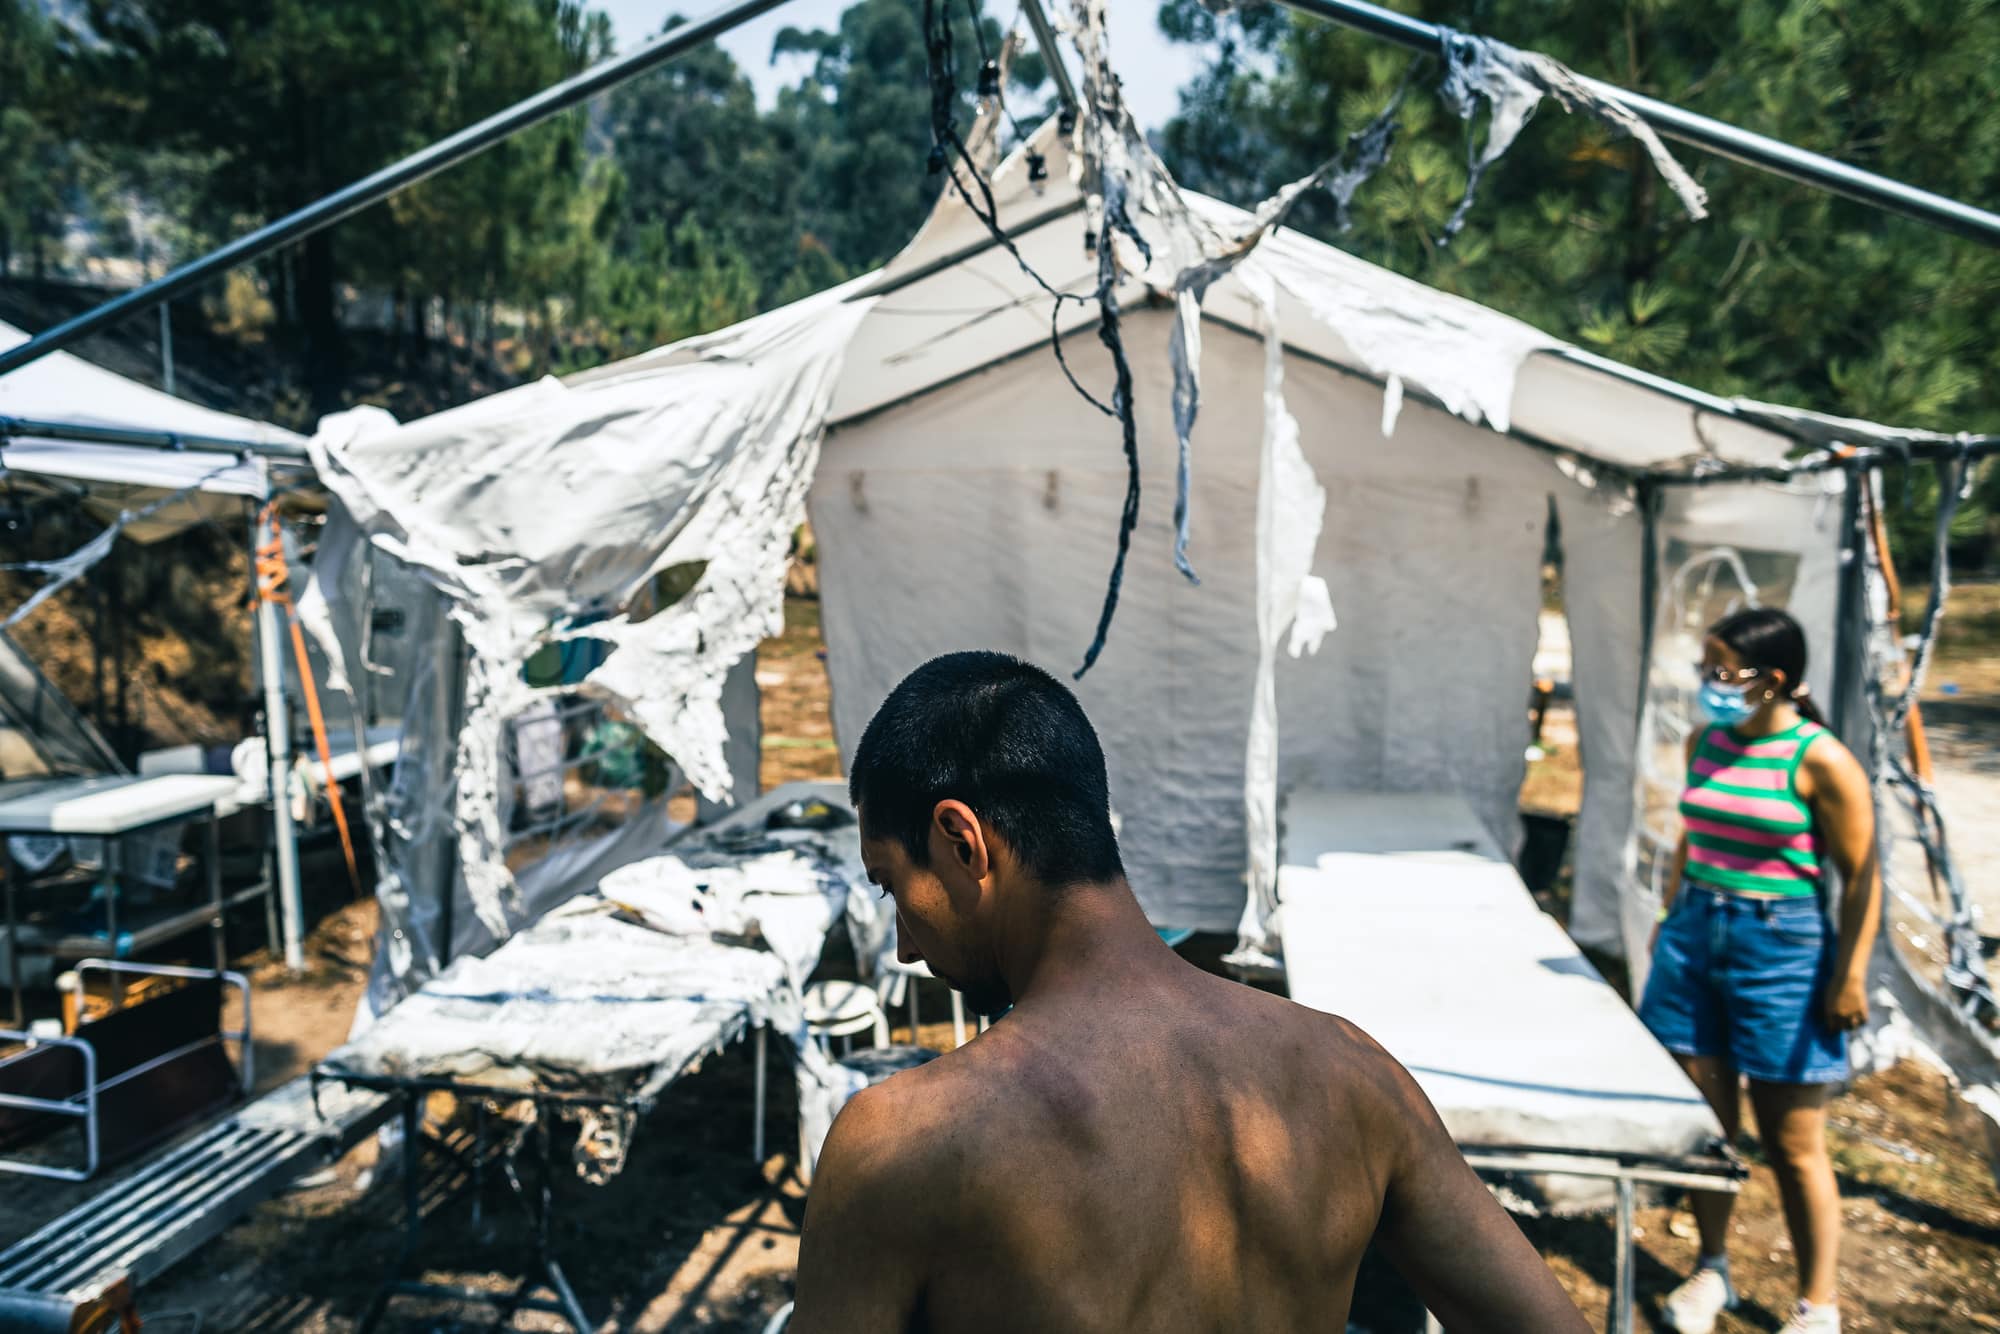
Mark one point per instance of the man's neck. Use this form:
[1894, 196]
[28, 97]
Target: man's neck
[1061, 940]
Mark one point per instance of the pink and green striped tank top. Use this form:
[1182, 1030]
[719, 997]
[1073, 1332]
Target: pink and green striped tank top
[1747, 829]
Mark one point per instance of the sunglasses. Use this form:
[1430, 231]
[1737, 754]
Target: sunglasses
[1726, 676]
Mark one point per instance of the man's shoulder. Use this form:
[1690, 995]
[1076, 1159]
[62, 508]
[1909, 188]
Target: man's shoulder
[897, 1132]
[1359, 1072]
[1330, 1037]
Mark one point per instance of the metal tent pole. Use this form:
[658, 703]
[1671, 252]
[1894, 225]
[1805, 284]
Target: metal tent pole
[373, 189]
[166, 347]
[1703, 132]
[278, 746]
[1051, 49]
[30, 428]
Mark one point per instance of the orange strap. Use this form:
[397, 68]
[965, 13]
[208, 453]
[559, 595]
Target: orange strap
[274, 586]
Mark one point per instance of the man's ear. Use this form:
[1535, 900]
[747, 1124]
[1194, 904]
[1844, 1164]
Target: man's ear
[964, 838]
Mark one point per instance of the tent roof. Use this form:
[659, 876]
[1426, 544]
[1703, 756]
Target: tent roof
[953, 302]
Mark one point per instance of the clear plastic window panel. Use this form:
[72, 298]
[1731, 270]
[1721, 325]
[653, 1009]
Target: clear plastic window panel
[1697, 586]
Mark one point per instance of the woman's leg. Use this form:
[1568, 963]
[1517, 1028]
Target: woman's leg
[1718, 1084]
[1791, 1120]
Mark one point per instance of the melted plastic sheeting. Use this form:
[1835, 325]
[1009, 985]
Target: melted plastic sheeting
[589, 1002]
[1125, 180]
[1290, 502]
[1512, 83]
[552, 502]
[66, 570]
[784, 890]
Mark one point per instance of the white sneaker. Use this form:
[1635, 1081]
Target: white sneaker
[1813, 1320]
[1693, 1306]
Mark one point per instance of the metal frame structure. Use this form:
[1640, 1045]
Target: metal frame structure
[214, 912]
[83, 1105]
[17, 428]
[1726, 1173]
[409, 1093]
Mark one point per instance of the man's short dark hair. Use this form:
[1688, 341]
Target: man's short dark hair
[1008, 740]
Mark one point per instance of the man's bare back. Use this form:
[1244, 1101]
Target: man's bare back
[1138, 1145]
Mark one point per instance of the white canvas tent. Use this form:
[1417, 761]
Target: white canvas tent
[957, 459]
[1367, 449]
[965, 495]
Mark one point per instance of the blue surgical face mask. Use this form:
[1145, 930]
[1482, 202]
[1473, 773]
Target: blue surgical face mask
[1726, 706]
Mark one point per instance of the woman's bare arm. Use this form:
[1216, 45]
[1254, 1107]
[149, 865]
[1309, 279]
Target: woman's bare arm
[1836, 789]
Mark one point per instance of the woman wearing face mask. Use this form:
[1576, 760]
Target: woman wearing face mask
[1748, 979]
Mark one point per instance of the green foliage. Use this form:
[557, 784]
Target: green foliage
[27, 47]
[1785, 293]
[721, 209]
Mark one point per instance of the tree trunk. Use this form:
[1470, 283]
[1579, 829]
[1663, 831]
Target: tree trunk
[38, 251]
[321, 322]
[419, 329]
[399, 305]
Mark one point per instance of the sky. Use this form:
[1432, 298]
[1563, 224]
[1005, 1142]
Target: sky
[1153, 69]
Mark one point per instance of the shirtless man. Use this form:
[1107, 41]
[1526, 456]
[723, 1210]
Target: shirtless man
[1139, 1146]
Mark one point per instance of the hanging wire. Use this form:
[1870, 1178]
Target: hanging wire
[947, 152]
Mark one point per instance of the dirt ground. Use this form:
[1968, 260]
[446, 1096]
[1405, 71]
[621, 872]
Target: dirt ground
[693, 1236]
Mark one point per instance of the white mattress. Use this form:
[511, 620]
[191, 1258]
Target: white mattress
[1446, 961]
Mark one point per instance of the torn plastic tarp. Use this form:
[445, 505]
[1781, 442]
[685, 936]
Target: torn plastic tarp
[1290, 503]
[1125, 179]
[543, 504]
[1512, 83]
[1471, 372]
[66, 570]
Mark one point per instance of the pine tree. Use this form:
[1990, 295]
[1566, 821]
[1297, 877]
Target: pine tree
[1785, 293]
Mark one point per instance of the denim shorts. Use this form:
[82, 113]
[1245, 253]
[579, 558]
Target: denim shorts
[1744, 979]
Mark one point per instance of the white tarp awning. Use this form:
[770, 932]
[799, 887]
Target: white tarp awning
[65, 389]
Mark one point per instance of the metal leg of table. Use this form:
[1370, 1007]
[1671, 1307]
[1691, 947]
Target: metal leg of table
[413, 1216]
[114, 862]
[757, 1107]
[538, 1204]
[957, 1019]
[212, 855]
[478, 1165]
[572, 1310]
[14, 950]
[1622, 1283]
[112, 865]
[270, 873]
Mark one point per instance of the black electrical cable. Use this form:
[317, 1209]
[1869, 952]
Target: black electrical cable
[947, 147]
